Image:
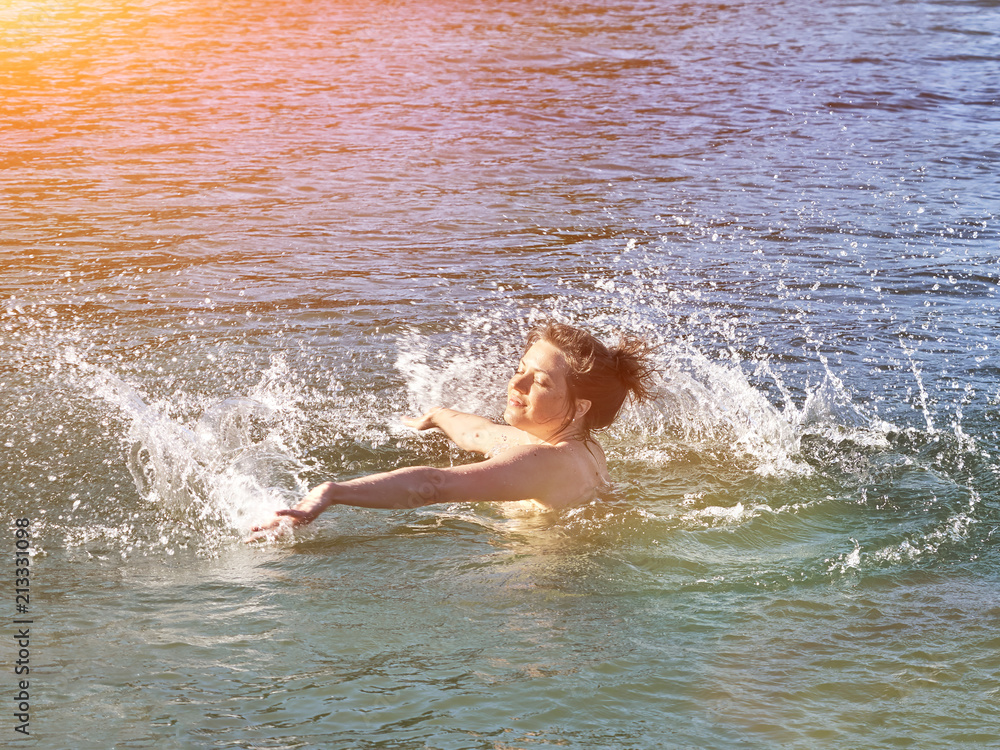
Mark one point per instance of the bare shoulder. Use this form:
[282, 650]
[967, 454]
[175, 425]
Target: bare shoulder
[590, 459]
[563, 475]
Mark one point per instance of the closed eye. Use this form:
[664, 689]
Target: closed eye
[538, 377]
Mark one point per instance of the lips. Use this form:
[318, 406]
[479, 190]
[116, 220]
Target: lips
[516, 402]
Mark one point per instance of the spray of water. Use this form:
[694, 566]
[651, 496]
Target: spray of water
[703, 405]
[208, 466]
[218, 474]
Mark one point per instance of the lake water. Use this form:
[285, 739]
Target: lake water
[241, 239]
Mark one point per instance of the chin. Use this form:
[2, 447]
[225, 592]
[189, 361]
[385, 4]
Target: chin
[513, 418]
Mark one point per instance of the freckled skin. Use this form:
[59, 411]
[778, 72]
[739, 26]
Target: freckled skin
[537, 455]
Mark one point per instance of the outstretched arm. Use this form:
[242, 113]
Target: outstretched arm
[537, 472]
[468, 431]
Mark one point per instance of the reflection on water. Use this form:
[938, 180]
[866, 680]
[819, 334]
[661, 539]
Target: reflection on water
[241, 240]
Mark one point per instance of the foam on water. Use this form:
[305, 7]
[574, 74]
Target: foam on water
[921, 547]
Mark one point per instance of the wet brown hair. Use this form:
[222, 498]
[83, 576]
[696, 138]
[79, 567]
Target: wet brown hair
[605, 376]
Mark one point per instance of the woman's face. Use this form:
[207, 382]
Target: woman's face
[538, 394]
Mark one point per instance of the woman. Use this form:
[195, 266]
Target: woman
[567, 384]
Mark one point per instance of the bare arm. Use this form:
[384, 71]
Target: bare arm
[544, 473]
[468, 431]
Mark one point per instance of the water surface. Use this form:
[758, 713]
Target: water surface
[241, 240]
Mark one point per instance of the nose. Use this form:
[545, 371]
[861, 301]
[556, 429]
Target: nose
[520, 383]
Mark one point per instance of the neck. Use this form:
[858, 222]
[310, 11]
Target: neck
[571, 431]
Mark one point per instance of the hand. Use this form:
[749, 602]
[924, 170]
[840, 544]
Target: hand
[425, 421]
[274, 529]
[286, 519]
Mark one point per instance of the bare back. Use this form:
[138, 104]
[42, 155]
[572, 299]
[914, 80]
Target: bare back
[581, 466]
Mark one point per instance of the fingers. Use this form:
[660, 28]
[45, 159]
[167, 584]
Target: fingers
[262, 535]
[279, 526]
[424, 422]
[270, 531]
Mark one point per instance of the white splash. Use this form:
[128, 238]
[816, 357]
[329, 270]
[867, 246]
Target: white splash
[230, 468]
[707, 406]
